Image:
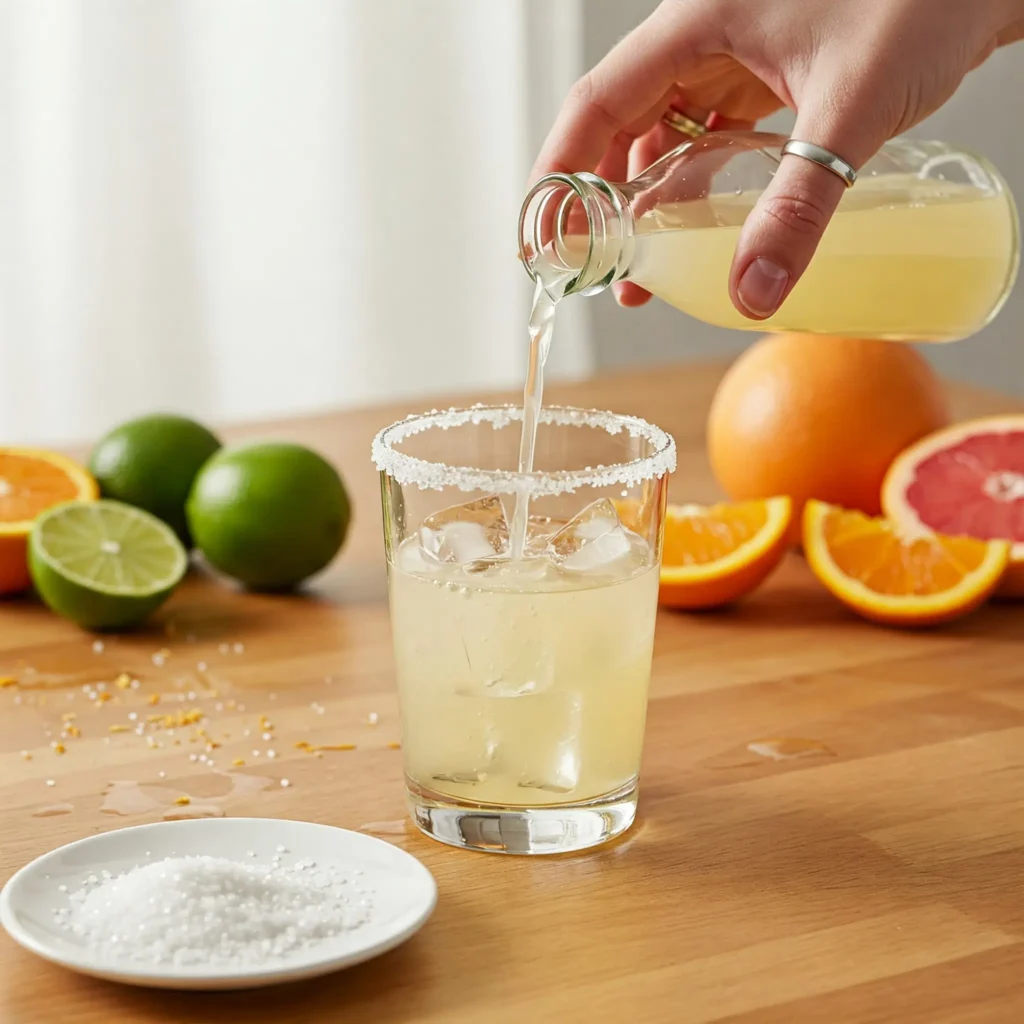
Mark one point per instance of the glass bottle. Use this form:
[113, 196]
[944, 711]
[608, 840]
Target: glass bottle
[924, 247]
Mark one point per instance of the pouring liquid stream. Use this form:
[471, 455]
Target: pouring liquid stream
[549, 290]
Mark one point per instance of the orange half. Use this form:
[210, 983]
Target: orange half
[30, 482]
[716, 554]
[899, 579]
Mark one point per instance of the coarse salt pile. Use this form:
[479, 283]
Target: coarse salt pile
[211, 911]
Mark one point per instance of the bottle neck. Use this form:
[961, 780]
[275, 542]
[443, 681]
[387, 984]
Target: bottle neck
[576, 229]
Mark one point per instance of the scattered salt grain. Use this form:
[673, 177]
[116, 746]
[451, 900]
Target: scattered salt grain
[239, 648]
[201, 667]
[97, 646]
[186, 911]
[371, 718]
[51, 782]
[285, 783]
[271, 753]
[223, 648]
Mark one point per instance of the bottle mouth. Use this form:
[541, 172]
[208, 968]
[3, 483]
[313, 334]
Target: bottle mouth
[575, 228]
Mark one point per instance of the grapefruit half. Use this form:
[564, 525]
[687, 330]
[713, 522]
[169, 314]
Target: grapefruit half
[966, 480]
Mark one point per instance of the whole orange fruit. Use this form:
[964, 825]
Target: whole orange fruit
[820, 417]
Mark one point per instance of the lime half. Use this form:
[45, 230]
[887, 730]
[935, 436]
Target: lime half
[103, 564]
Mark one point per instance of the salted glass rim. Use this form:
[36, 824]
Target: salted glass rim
[428, 475]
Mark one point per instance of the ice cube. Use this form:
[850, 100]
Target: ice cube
[464, 533]
[493, 566]
[553, 762]
[410, 558]
[509, 572]
[593, 539]
[539, 531]
[472, 750]
[504, 687]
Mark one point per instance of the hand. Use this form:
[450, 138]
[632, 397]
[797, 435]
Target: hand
[857, 73]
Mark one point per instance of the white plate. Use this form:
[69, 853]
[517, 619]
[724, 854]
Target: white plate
[404, 894]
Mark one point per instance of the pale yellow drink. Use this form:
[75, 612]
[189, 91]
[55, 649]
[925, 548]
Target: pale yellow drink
[904, 258]
[524, 685]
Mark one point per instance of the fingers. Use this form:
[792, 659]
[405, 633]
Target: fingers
[649, 148]
[783, 231]
[621, 98]
[630, 295]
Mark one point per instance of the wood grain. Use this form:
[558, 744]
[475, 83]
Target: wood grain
[877, 880]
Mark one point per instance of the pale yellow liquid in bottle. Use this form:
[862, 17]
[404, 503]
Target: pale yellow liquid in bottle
[904, 258]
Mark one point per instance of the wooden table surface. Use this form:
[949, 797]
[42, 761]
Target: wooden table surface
[877, 879]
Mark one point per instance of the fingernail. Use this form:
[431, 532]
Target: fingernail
[762, 286]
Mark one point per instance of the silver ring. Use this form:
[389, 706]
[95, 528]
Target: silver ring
[823, 158]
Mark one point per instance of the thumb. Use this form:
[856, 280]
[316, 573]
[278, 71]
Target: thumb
[784, 228]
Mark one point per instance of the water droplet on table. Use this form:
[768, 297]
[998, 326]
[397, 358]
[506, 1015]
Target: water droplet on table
[128, 797]
[193, 811]
[789, 748]
[385, 828]
[243, 784]
[52, 810]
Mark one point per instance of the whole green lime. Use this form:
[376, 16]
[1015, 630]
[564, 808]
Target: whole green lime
[269, 515]
[151, 462]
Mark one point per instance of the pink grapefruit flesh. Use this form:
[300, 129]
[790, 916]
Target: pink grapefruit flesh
[966, 480]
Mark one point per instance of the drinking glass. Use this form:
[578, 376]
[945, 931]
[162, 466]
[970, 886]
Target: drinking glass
[522, 612]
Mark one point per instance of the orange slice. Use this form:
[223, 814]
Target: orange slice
[717, 554]
[30, 482]
[900, 579]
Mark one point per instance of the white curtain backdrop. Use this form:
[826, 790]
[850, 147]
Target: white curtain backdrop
[247, 208]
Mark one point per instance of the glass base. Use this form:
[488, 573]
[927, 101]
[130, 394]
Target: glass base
[562, 828]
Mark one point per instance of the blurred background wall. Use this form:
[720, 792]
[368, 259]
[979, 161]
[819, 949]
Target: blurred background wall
[248, 208]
